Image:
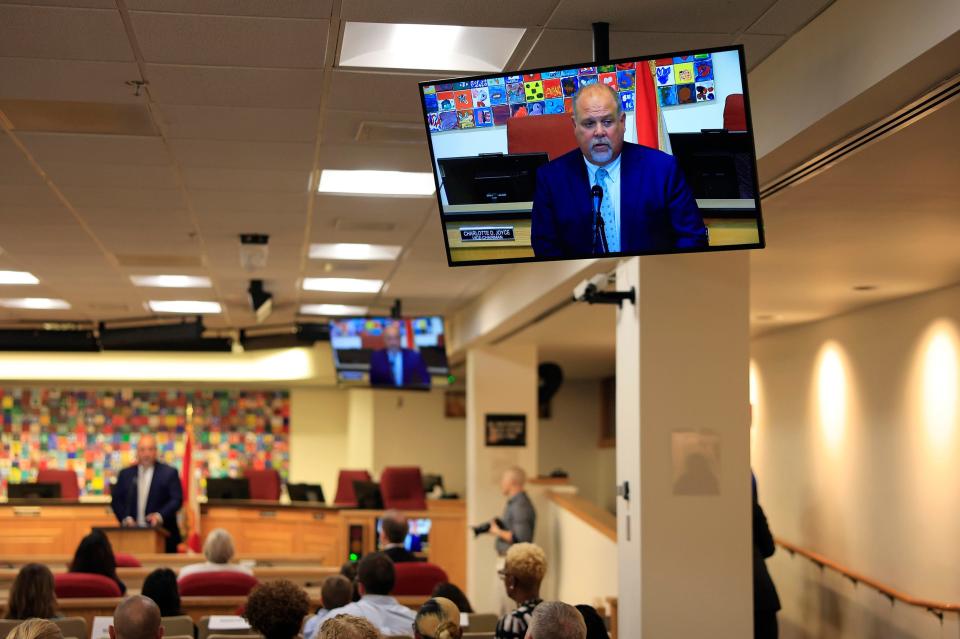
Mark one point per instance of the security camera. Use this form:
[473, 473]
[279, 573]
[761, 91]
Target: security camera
[586, 289]
[253, 251]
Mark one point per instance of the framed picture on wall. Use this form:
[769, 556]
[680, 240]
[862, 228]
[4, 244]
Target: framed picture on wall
[455, 403]
[506, 430]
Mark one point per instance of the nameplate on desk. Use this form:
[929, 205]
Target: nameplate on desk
[486, 234]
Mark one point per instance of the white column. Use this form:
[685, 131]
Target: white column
[500, 380]
[684, 547]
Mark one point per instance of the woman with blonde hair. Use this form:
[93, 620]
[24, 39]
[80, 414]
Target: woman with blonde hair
[36, 629]
[219, 550]
[348, 627]
[438, 618]
[523, 570]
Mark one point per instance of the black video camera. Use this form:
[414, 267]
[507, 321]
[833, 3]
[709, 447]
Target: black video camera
[485, 527]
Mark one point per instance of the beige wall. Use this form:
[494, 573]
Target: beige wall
[569, 438]
[855, 447]
[318, 436]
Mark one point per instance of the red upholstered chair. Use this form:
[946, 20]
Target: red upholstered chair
[69, 488]
[734, 116]
[126, 560]
[417, 578]
[345, 494]
[218, 583]
[264, 484]
[70, 585]
[552, 134]
[402, 488]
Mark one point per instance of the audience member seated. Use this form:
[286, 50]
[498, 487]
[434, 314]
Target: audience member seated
[556, 620]
[335, 592]
[348, 627]
[161, 586]
[95, 556]
[276, 609]
[136, 617]
[453, 593]
[349, 570]
[218, 549]
[376, 576]
[32, 594]
[523, 570]
[438, 618]
[36, 629]
[393, 531]
[596, 628]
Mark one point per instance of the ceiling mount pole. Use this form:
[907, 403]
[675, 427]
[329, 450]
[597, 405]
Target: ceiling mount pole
[601, 42]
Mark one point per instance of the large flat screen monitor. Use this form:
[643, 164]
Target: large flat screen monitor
[639, 156]
[389, 353]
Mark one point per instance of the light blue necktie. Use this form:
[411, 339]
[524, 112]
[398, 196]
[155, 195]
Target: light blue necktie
[396, 362]
[606, 211]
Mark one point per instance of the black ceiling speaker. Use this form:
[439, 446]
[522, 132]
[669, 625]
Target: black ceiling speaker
[551, 378]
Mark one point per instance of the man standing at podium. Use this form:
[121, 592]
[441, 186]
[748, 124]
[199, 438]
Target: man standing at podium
[149, 494]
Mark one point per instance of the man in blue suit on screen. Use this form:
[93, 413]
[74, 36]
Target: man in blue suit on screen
[149, 494]
[395, 365]
[646, 205]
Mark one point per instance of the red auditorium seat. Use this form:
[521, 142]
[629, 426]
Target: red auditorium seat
[126, 560]
[219, 583]
[70, 585]
[345, 495]
[417, 578]
[69, 488]
[734, 115]
[402, 488]
[264, 484]
[552, 134]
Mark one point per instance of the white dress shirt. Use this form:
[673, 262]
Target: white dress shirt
[382, 611]
[144, 477]
[612, 191]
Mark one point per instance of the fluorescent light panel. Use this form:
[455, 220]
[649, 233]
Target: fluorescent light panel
[35, 303]
[375, 182]
[354, 252]
[341, 285]
[332, 309]
[18, 277]
[427, 46]
[184, 306]
[171, 281]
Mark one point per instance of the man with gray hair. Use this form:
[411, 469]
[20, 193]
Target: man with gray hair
[556, 620]
[610, 196]
[136, 617]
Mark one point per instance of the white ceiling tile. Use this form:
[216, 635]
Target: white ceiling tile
[13, 195]
[246, 179]
[63, 33]
[235, 87]
[244, 155]
[143, 199]
[687, 16]
[356, 91]
[276, 8]
[407, 157]
[98, 217]
[226, 205]
[96, 149]
[32, 217]
[757, 47]
[231, 123]
[231, 225]
[177, 38]
[15, 169]
[786, 17]
[112, 175]
[31, 79]
[81, 4]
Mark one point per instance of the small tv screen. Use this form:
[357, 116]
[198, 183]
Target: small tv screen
[389, 353]
[228, 488]
[33, 491]
[637, 156]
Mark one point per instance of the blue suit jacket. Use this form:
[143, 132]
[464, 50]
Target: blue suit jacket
[165, 497]
[414, 369]
[657, 209]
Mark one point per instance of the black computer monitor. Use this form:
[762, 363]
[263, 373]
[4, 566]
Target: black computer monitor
[368, 495]
[33, 491]
[432, 481]
[491, 179]
[718, 163]
[228, 488]
[312, 493]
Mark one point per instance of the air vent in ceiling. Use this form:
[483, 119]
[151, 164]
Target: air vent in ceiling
[390, 132]
[160, 260]
[342, 224]
[54, 116]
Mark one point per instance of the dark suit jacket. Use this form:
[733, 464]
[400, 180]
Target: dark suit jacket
[414, 369]
[657, 209]
[399, 555]
[765, 598]
[165, 497]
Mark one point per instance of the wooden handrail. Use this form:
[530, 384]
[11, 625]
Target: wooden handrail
[594, 516]
[936, 607]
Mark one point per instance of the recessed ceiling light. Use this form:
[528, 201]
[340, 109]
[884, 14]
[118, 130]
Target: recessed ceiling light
[341, 284]
[354, 252]
[865, 287]
[35, 303]
[332, 309]
[171, 281]
[345, 182]
[183, 306]
[427, 46]
[18, 277]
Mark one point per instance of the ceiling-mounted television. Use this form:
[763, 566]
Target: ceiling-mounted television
[387, 352]
[637, 156]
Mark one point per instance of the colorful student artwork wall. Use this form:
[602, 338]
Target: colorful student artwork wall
[684, 80]
[95, 432]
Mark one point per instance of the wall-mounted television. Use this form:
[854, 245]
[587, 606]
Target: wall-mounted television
[389, 353]
[637, 156]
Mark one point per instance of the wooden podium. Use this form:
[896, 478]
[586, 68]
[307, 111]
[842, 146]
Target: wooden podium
[136, 540]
